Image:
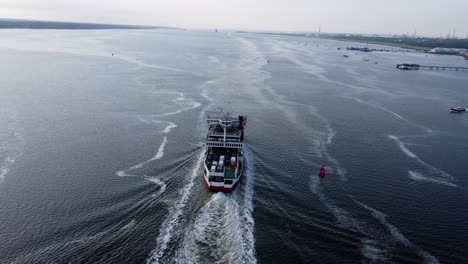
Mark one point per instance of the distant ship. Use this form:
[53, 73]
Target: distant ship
[224, 160]
[408, 66]
[457, 110]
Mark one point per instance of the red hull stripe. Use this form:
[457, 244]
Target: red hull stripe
[222, 188]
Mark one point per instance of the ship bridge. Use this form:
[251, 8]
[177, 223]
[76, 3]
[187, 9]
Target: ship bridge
[225, 132]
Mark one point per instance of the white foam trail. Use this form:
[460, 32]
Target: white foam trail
[412, 155]
[216, 229]
[54, 46]
[11, 149]
[331, 134]
[138, 62]
[247, 211]
[204, 91]
[417, 176]
[339, 169]
[5, 168]
[428, 130]
[370, 251]
[194, 105]
[170, 225]
[129, 225]
[318, 139]
[315, 69]
[160, 152]
[170, 126]
[3, 172]
[223, 227]
[139, 165]
[345, 219]
[403, 148]
[380, 107]
[124, 173]
[158, 182]
[342, 217]
[180, 99]
[397, 235]
[57, 249]
[157, 156]
[150, 120]
[180, 94]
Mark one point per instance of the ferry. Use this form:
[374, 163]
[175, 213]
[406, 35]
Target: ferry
[224, 157]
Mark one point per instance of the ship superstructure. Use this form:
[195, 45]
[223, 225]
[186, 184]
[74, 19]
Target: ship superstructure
[224, 161]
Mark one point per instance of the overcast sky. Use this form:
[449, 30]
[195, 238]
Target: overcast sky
[426, 17]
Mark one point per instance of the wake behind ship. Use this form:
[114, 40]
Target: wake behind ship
[224, 161]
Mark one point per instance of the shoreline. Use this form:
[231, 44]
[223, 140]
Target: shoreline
[391, 44]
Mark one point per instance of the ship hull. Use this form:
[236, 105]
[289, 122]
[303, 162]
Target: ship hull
[457, 110]
[221, 187]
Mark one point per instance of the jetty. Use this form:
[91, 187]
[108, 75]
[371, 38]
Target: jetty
[359, 49]
[410, 66]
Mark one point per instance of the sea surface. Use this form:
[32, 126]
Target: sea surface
[101, 150]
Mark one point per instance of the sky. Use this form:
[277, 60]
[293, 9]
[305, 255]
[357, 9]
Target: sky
[425, 17]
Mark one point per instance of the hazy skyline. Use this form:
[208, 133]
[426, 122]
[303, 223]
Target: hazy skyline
[361, 16]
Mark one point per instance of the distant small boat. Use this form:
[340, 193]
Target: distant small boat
[408, 66]
[346, 56]
[457, 110]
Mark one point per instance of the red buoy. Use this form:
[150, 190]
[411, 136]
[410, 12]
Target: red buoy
[322, 171]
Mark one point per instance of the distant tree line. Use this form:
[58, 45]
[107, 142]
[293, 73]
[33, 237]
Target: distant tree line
[422, 42]
[34, 24]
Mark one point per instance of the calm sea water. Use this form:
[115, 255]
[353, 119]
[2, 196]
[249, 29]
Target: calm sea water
[101, 144]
